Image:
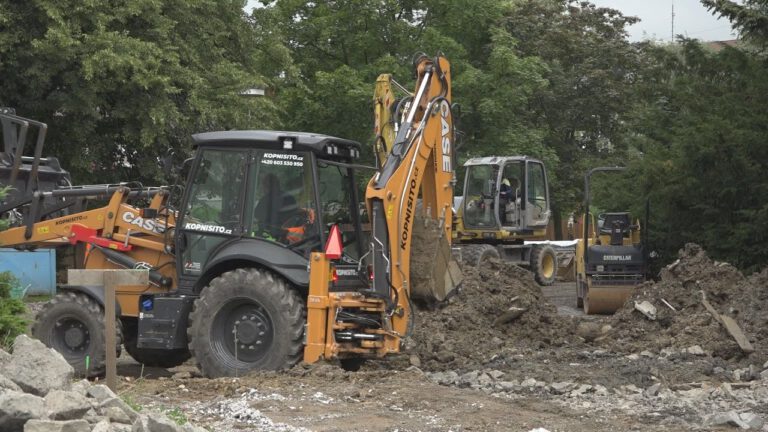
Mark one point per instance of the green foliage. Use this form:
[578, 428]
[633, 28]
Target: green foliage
[121, 82]
[12, 311]
[177, 415]
[749, 17]
[701, 132]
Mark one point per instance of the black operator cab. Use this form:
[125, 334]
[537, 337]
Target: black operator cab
[508, 193]
[268, 198]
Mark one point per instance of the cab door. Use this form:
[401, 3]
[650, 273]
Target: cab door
[537, 195]
[212, 210]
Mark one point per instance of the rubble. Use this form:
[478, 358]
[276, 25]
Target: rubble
[740, 299]
[37, 395]
[37, 369]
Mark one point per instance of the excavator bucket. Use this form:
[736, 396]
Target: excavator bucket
[434, 271]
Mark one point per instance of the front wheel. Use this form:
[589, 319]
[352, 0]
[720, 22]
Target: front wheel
[73, 324]
[246, 319]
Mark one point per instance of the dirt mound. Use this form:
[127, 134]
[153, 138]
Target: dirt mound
[498, 308]
[681, 285]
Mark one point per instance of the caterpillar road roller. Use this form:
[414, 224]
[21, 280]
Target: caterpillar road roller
[610, 257]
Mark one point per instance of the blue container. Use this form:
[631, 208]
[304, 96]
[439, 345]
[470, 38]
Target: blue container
[35, 270]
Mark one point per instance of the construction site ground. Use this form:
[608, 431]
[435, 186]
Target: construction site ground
[480, 364]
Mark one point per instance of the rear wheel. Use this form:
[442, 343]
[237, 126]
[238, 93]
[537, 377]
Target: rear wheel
[149, 356]
[544, 264]
[477, 255]
[72, 323]
[244, 320]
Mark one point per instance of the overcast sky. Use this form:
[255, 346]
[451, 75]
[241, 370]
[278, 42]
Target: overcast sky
[691, 19]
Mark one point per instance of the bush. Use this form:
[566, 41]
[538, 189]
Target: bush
[12, 322]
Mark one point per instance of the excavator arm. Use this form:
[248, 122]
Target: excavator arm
[419, 164]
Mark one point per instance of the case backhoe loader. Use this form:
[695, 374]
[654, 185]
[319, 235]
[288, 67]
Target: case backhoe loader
[265, 261]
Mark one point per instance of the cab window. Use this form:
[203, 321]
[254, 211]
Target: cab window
[280, 206]
[338, 207]
[214, 198]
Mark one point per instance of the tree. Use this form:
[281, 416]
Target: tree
[120, 82]
[700, 133]
[591, 67]
[749, 17]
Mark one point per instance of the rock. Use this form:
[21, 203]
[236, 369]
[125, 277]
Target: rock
[529, 382]
[155, 423]
[646, 354]
[753, 373]
[765, 365]
[584, 388]
[633, 357]
[119, 403]
[507, 386]
[117, 415]
[666, 352]
[653, 390]
[695, 350]
[181, 375]
[560, 387]
[6, 384]
[647, 309]
[588, 330]
[102, 426]
[66, 405]
[764, 374]
[445, 356]
[101, 393]
[5, 358]
[743, 420]
[469, 378]
[414, 360]
[36, 368]
[495, 374]
[740, 374]
[81, 387]
[601, 390]
[118, 427]
[484, 380]
[187, 427]
[57, 426]
[16, 408]
[606, 329]
[752, 420]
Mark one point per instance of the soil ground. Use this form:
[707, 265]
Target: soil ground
[547, 368]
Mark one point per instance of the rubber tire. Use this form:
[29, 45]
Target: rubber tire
[539, 255]
[476, 255]
[151, 357]
[89, 312]
[283, 305]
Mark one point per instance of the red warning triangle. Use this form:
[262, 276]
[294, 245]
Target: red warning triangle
[333, 245]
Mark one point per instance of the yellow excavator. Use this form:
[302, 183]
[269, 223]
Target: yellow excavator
[266, 260]
[611, 257]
